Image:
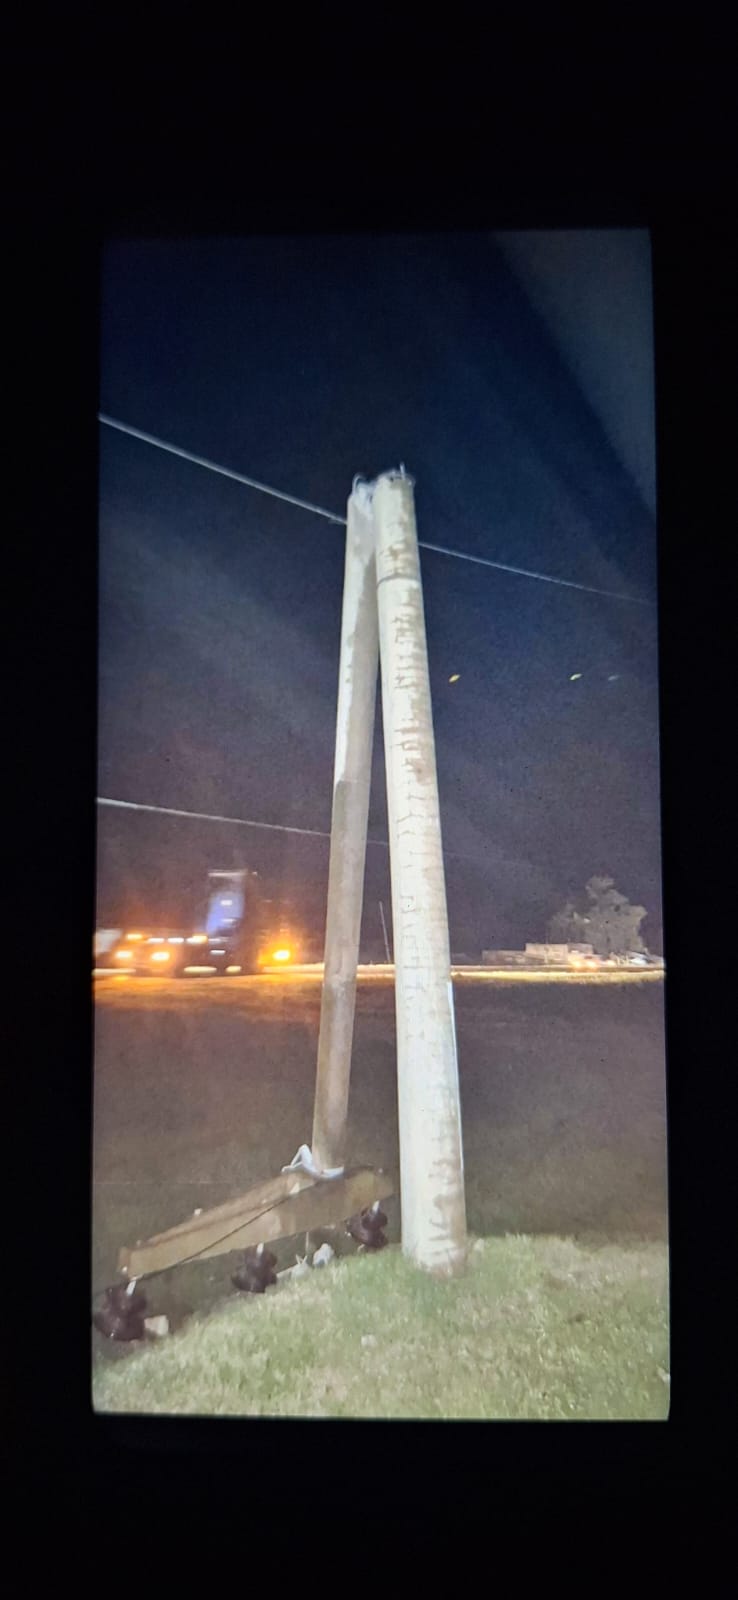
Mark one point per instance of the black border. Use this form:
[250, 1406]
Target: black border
[93, 167]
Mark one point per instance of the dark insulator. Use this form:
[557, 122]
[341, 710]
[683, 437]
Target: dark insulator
[366, 1228]
[257, 1272]
[121, 1315]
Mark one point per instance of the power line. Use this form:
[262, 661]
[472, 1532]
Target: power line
[212, 466]
[332, 516]
[543, 577]
[248, 822]
[241, 822]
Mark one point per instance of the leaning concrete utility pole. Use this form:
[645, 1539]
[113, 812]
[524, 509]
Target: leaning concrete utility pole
[431, 1154]
[357, 692]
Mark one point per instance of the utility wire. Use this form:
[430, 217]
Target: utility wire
[242, 822]
[543, 577]
[246, 822]
[212, 466]
[332, 516]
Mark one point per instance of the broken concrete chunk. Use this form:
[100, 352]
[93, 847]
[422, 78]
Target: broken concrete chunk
[157, 1327]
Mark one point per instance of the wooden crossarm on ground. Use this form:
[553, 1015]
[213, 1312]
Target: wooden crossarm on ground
[276, 1208]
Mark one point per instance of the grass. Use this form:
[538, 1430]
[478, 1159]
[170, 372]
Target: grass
[537, 1328]
[201, 1091]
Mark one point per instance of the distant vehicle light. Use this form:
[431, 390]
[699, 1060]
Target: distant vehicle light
[233, 969]
[134, 936]
[216, 952]
[198, 938]
[178, 940]
[156, 938]
[200, 969]
[160, 955]
[281, 955]
[124, 955]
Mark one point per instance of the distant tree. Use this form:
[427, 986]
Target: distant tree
[567, 926]
[605, 919]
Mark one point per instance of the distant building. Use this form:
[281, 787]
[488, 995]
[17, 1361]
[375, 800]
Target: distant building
[537, 955]
[552, 954]
[505, 958]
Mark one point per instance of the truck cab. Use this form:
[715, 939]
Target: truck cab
[243, 932]
[239, 932]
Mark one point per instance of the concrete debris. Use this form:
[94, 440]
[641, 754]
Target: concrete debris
[157, 1327]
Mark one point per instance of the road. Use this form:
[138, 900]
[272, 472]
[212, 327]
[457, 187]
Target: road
[288, 982]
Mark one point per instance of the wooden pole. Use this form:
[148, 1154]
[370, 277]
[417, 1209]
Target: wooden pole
[357, 692]
[431, 1156]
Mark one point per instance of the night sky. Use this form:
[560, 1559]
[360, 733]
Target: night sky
[301, 363]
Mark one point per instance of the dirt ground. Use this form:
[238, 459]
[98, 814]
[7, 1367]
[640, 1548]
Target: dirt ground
[202, 1089]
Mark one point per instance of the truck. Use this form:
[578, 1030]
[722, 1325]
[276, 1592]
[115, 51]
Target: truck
[239, 932]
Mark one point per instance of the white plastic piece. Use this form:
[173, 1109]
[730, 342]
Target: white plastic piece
[305, 1161]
